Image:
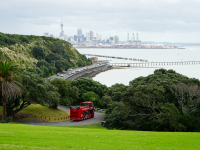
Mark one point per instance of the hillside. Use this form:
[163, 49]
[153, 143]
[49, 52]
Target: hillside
[40, 53]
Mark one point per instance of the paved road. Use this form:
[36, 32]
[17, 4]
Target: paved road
[98, 117]
[68, 73]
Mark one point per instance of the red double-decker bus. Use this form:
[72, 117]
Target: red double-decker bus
[82, 112]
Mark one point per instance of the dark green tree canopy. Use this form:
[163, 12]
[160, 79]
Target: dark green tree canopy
[58, 47]
[91, 96]
[163, 101]
[38, 52]
[86, 84]
[69, 94]
[51, 57]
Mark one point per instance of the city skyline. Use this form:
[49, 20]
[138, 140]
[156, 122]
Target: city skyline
[159, 21]
[89, 39]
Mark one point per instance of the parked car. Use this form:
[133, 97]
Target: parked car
[61, 75]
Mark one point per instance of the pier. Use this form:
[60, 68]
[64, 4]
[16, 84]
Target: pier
[115, 57]
[156, 64]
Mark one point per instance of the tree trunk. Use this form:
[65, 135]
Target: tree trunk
[4, 116]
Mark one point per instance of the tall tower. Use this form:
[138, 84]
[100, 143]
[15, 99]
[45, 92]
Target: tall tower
[61, 26]
[137, 37]
[133, 39]
[62, 34]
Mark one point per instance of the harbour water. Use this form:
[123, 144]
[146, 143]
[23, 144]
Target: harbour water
[152, 55]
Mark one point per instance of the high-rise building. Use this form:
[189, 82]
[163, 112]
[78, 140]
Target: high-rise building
[46, 34]
[66, 38]
[97, 37]
[116, 39]
[79, 32]
[91, 35]
[88, 37]
[75, 38]
[100, 37]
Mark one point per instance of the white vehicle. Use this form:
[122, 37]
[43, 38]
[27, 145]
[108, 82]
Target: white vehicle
[61, 75]
[70, 69]
[58, 74]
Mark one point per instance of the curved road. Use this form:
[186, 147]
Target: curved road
[98, 117]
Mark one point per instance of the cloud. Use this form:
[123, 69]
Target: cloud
[105, 17]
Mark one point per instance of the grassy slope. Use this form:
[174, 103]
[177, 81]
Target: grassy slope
[37, 110]
[21, 54]
[16, 136]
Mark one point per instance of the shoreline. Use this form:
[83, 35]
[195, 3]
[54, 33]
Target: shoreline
[125, 48]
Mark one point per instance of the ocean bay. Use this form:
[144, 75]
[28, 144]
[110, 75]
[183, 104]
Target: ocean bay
[152, 55]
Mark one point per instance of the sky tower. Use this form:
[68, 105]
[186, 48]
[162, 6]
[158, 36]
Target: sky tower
[62, 34]
[61, 26]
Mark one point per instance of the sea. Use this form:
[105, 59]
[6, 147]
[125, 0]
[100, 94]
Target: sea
[124, 76]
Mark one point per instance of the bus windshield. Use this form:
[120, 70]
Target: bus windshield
[84, 104]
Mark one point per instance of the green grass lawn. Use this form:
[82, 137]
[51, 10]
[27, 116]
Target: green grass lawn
[17, 136]
[36, 111]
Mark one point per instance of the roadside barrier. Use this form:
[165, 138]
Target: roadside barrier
[43, 118]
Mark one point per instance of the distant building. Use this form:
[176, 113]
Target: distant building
[116, 39]
[91, 35]
[99, 37]
[101, 61]
[75, 38]
[79, 32]
[87, 37]
[46, 34]
[94, 59]
[66, 38]
[51, 35]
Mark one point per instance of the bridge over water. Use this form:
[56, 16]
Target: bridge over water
[156, 63]
[115, 57]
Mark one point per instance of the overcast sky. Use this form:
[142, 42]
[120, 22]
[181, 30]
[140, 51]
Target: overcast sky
[154, 20]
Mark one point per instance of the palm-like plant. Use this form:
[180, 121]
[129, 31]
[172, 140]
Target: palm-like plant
[9, 88]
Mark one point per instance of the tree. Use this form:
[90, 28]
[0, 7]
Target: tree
[52, 57]
[116, 92]
[68, 93]
[188, 97]
[86, 84]
[58, 47]
[9, 87]
[36, 90]
[38, 51]
[91, 96]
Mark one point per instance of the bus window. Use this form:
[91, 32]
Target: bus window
[84, 104]
[90, 104]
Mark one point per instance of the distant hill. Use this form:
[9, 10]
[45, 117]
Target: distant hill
[44, 53]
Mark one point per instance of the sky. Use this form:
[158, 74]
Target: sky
[153, 20]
